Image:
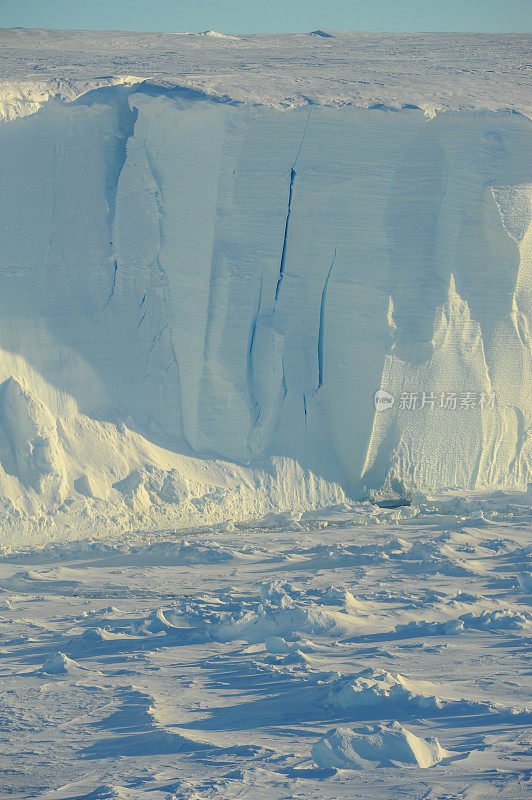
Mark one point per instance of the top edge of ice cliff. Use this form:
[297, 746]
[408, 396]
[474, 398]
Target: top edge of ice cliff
[434, 72]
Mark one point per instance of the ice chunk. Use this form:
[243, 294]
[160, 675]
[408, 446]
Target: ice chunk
[356, 748]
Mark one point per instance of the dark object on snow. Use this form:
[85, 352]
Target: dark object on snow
[397, 503]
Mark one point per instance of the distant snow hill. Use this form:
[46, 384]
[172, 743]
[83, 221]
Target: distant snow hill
[215, 34]
[204, 286]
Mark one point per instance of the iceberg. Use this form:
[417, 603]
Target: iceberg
[201, 301]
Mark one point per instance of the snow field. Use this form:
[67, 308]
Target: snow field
[301, 661]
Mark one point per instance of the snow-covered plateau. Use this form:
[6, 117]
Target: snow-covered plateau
[265, 416]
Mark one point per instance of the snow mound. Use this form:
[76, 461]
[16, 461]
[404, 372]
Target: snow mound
[59, 664]
[276, 645]
[451, 627]
[356, 748]
[186, 552]
[496, 621]
[282, 611]
[281, 620]
[215, 35]
[56, 580]
[112, 792]
[161, 620]
[277, 615]
[61, 471]
[386, 693]
[92, 640]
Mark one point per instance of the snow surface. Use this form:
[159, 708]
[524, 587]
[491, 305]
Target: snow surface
[223, 574]
[315, 659]
[430, 70]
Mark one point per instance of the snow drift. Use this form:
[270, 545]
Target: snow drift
[200, 300]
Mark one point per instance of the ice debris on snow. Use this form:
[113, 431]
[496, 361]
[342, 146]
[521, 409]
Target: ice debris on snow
[387, 693]
[450, 627]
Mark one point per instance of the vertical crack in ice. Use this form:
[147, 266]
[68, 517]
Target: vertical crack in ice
[305, 408]
[285, 388]
[113, 285]
[302, 140]
[289, 211]
[285, 237]
[322, 321]
[255, 405]
[442, 198]
[156, 339]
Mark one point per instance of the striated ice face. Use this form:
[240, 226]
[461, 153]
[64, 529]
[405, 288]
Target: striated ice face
[238, 282]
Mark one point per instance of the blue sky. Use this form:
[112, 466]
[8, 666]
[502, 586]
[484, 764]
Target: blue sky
[264, 16]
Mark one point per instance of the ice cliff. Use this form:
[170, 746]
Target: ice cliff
[199, 300]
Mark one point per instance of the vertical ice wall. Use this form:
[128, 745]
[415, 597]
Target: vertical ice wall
[235, 281]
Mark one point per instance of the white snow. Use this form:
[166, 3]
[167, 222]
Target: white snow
[434, 71]
[214, 34]
[272, 662]
[224, 574]
[347, 748]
